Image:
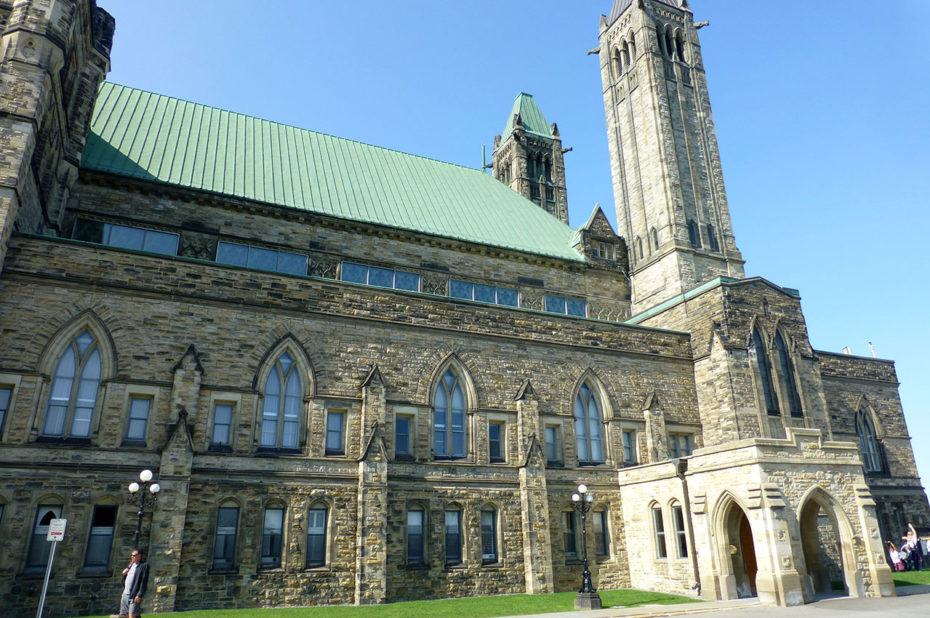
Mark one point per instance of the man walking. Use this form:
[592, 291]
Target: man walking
[135, 582]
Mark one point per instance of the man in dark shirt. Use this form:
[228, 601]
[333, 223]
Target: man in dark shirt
[135, 583]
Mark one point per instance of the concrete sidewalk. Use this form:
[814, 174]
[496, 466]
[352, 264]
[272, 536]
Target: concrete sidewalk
[911, 601]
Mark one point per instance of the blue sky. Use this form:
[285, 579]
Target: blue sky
[821, 110]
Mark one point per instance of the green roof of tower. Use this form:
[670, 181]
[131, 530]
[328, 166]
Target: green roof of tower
[161, 139]
[533, 119]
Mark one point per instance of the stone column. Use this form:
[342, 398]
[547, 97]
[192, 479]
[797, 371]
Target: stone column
[371, 534]
[656, 434]
[879, 572]
[534, 497]
[174, 473]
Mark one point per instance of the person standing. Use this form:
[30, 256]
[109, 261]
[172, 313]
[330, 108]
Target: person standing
[135, 583]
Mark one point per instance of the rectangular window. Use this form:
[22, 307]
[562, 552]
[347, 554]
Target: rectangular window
[224, 545]
[402, 436]
[495, 441]
[139, 408]
[603, 250]
[553, 453]
[629, 446]
[453, 537]
[601, 534]
[222, 424]
[488, 537]
[316, 537]
[569, 534]
[483, 293]
[6, 395]
[659, 525]
[140, 239]
[39, 548]
[566, 306]
[415, 537]
[680, 536]
[550, 194]
[679, 444]
[260, 258]
[534, 191]
[272, 535]
[380, 277]
[335, 433]
[97, 557]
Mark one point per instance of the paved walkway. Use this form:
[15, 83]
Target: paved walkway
[911, 601]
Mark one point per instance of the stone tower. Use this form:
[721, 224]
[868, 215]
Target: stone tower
[528, 157]
[668, 184]
[53, 56]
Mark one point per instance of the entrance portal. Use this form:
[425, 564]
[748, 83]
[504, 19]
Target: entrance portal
[742, 550]
[823, 551]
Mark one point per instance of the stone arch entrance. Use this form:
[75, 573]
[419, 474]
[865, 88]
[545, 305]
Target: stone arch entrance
[741, 550]
[826, 540]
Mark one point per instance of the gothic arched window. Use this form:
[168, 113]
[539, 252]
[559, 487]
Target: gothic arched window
[655, 239]
[625, 51]
[588, 431]
[712, 238]
[449, 417]
[694, 234]
[867, 442]
[680, 46]
[281, 408]
[639, 247]
[787, 374]
[618, 63]
[74, 389]
[669, 43]
[765, 373]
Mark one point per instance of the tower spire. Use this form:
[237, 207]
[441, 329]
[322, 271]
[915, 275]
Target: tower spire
[528, 157]
[668, 183]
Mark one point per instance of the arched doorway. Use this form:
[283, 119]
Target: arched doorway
[742, 552]
[826, 541]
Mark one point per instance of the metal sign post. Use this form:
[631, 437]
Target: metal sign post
[56, 534]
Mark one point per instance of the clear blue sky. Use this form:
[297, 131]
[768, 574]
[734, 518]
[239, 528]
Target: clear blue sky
[821, 111]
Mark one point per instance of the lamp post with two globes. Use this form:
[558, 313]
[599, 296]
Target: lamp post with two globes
[587, 598]
[144, 499]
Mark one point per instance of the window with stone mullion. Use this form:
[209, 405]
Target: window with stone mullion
[588, 434]
[281, 414]
[787, 374]
[765, 373]
[449, 418]
[867, 443]
[74, 389]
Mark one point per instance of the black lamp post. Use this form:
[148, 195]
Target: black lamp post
[587, 598]
[142, 498]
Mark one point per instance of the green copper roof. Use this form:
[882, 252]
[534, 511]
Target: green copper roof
[533, 119]
[165, 140]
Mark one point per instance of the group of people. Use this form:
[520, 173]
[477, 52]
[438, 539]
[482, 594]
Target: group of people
[910, 556]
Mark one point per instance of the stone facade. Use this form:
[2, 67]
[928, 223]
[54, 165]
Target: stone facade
[320, 441]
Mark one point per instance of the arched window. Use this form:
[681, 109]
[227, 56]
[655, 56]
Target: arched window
[660, 38]
[74, 389]
[39, 548]
[670, 43]
[787, 375]
[694, 234]
[639, 246]
[680, 46]
[588, 430]
[632, 47]
[867, 442]
[655, 239]
[316, 534]
[765, 373]
[449, 417]
[281, 409]
[618, 63]
[712, 238]
[625, 51]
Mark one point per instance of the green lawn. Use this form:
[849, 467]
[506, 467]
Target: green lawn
[909, 578]
[503, 605]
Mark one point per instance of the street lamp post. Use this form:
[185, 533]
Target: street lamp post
[142, 498]
[587, 597]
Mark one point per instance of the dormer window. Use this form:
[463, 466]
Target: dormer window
[603, 250]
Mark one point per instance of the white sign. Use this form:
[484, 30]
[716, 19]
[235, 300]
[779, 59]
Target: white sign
[56, 530]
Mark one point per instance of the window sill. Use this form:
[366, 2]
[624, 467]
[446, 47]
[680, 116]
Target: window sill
[267, 451]
[234, 570]
[127, 443]
[271, 569]
[416, 566]
[491, 565]
[219, 448]
[63, 441]
[591, 464]
[94, 572]
[457, 566]
[554, 464]
[405, 457]
[34, 574]
[496, 460]
[329, 453]
[321, 568]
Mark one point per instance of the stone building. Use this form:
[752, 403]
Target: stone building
[338, 359]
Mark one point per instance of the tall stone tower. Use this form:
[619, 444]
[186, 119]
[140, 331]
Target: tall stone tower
[528, 157]
[668, 184]
[53, 56]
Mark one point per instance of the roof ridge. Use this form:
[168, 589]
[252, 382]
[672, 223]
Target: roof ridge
[291, 126]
